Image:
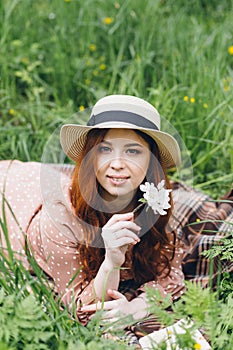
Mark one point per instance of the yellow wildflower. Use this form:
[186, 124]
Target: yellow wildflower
[186, 98]
[192, 100]
[137, 59]
[197, 346]
[198, 220]
[92, 47]
[95, 72]
[205, 105]
[102, 66]
[25, 60]
[17, 43]
[88, 62]
[38, 90]
[11, 111]
[108, 20]
[81, 108]
[87, 81]
[230, 50]
[67, 0]
[226, 88]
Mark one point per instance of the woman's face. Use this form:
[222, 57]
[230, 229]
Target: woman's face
[121, 163]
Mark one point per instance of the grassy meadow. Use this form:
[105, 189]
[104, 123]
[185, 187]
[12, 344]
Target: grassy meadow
[57, 57]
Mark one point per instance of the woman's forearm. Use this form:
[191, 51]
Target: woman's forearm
[107, 277]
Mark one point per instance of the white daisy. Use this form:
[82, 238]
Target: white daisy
[156, 197]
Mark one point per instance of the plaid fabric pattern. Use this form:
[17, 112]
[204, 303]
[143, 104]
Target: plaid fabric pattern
[201, 223]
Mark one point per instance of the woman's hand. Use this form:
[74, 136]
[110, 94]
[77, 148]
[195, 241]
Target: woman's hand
[118, 307]
[118, 233]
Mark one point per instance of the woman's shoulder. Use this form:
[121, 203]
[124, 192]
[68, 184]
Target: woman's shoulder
[57, 205]
[14, 166]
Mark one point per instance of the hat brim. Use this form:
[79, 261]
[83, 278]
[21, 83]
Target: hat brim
[73, 138]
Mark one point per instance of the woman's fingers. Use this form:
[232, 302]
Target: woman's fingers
[107, 305]
[111, 311]
[120, 232]
[119, 217]
[118, 225]
[126, 224]
[120, 229]
[121, 238]
[114, 294]
[123, 241]
[115, 235]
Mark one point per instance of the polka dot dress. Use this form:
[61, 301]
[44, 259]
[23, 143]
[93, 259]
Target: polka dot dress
[37, 207]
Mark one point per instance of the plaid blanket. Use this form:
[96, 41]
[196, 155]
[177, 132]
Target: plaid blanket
[201, 223]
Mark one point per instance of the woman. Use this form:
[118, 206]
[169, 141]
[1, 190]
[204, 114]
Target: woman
[89, 224]
[84, 231]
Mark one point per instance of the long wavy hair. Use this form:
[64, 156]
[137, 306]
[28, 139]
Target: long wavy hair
[149, 256]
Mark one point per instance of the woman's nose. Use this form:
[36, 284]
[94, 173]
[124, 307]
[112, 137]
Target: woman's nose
[117, 163]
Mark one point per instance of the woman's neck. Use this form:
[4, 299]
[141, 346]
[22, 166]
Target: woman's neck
[119, 205]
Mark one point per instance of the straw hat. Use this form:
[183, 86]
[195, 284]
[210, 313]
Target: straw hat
[124, 112]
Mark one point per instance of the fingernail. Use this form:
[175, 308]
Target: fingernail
[137, 241]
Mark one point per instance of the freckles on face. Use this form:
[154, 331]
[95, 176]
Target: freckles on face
[121, 161]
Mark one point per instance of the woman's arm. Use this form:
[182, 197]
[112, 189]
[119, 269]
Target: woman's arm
[169, 282]
[54, 244]
[107, 277]
[117, 234]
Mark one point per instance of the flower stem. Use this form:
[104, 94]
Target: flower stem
[138, 207]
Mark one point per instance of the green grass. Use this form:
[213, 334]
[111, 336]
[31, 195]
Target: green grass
[57, 57]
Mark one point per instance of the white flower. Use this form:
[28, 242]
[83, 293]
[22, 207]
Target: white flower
[156, 197]
[52, 16]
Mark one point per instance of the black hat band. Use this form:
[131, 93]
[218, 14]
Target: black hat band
[121, 116]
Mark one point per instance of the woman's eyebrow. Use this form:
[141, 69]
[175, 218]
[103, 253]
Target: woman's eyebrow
[104, 141]
[133, 144]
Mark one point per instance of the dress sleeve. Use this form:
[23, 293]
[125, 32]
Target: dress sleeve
[54, 236]
[170, 282]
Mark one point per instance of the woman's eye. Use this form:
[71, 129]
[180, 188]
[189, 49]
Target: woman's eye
[104, 149]
[133, 151]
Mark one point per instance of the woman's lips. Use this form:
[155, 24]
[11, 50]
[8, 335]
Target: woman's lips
[117, 179]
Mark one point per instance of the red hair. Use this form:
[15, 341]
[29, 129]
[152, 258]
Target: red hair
[149, 257]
